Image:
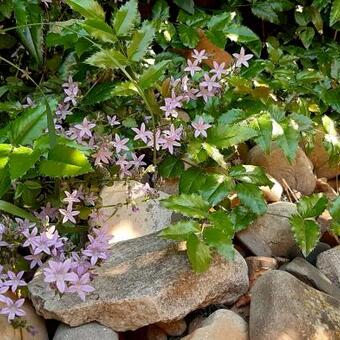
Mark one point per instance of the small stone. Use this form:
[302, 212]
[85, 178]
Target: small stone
[310, 275]
[221, 325]
[258, 265]
[155, 333]
[270, 235]
[324, 187]
[195, 323]
[329, 263]
[298, 174]
[123, 222]
[169, 186]
[274, 193]
[283, 307]
[144, 281]
[89, 331]
[174, 328]
[311, 258]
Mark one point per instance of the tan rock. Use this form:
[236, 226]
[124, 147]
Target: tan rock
[274, 193]
[174, 328]
[298, 174]
[195, 323]
[324, 187]
[155, 333]
[258, 265]
[221, 325]
[122, 221]
[144, 281]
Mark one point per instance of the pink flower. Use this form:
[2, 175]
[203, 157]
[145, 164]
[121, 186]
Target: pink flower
[30, 237]
[97, 249]
[171, 104]
[12, 308]
[192, 67]
[80, 285]
[69, 214]
[58, 273]
[14, 280]
[35, 260]
[63, 111]
[171, 138]
[119, 144]
[200, 127]
[71, 198]
[209, 83]
[199, 56]
[242, 58]
[218, 69]
[85, 128]
[137, 161]
[155, 140]
[48, 211]
[42, 244]
[205, 94]
[103, 155]
[112, 121]
[142, 134]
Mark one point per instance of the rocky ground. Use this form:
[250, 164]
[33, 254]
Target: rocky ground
[147, 290]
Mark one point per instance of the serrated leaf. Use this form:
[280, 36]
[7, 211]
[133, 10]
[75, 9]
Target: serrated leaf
[65, 161]
[160, 10]
[288, 141]
[250, 174]
[215, 154]
[124, 89]
[232, 116]
[180, 231]
[268, 10]
[251, 197]
[189, 205]
[312, 206]
[107, 59]
[306, 233]
[215, 188]
[191, 181]
[152, 75]
[100, 30]
[187, 5]
[306, 35]
[225, 136]
[220, 241]
[222, 221]
[140, 42]
[241, 217]
[335, 12]
[264, 127]
[188, 35]
[171, 167]
[198, 254]
[126, 17]
[89, 9]
[335, 213]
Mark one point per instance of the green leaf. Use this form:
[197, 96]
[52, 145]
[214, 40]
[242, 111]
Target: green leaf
[240, 34]
[65, 161]
[107, 59]
[241, 217]
[198, 254]
[252, 197]
[268, 10]
[250, 174]
[306, 35]
[215, 188]
[220, 241]
[126, 17]
[264, 127]
[16, 211]
[221, 220]
[89, 9]
[335, 12]
[181, 230]
[188, 35]
[187, 5]
[215, 154]
[335, 213]
[100, 30]
[99, 93]
[232, 116]
[288, 141]
[306, 233]
[5, 180]
[171, 167]
[140, 42]
[153, 74]
[189, 205]
[124, 89]
[191, 181]
[312, 206]
[160, 10]
[225, 136]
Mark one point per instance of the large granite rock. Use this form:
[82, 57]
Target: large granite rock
[144, 281]
[283, 307]
[141, 216]
[298, 174]
[270, 235]
[329, 263]
[221, 325]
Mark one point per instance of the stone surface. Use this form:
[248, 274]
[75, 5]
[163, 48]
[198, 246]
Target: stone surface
[310, 275]
[298, 174]
[270, 235]
[7, 332]
[89, 331]
[124, 223]
[325, 188]
[284, 308]
[329, 263]
[144, 281]
[155, 333]
[274, 193]
[174, 328]
[221, 325]
[311, 258]
[258, 265]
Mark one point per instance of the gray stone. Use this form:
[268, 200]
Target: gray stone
[89, 331]
[310, 275]
[283, 307]
[270, 235]
[329, 263]
[311, 258]
[144, 281]
[220, 325]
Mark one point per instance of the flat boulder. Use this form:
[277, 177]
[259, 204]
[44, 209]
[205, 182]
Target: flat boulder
[283, 307]
[145, 280]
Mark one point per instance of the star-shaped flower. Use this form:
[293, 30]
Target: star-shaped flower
[242, 58]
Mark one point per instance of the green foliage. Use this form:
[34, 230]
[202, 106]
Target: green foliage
[198, 254]
[126, 17]
[90, 9]
[171, 167]
[181, 230]
[335, 213]
[152, 74]
[108, 59]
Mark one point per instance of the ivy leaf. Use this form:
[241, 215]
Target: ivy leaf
[126, 17]
[140, 42]
[215, 188]
[221, 220]
[312, 206]
[306, 35]
[288, 141]
[65, 161]
[89, 9]
[335, 13]
[225, 136]
[263, 125]
[171, 167]
[335, 213]
[241, 217]
[152, 74]
[198, 254]
[191, 181]
[306, 233]
[215, 154]
[220, 241]
[188, 35]
[189, 205]
[251, 196]
[250, 174]
[107, 59]
[100, 30]
[181, 230]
